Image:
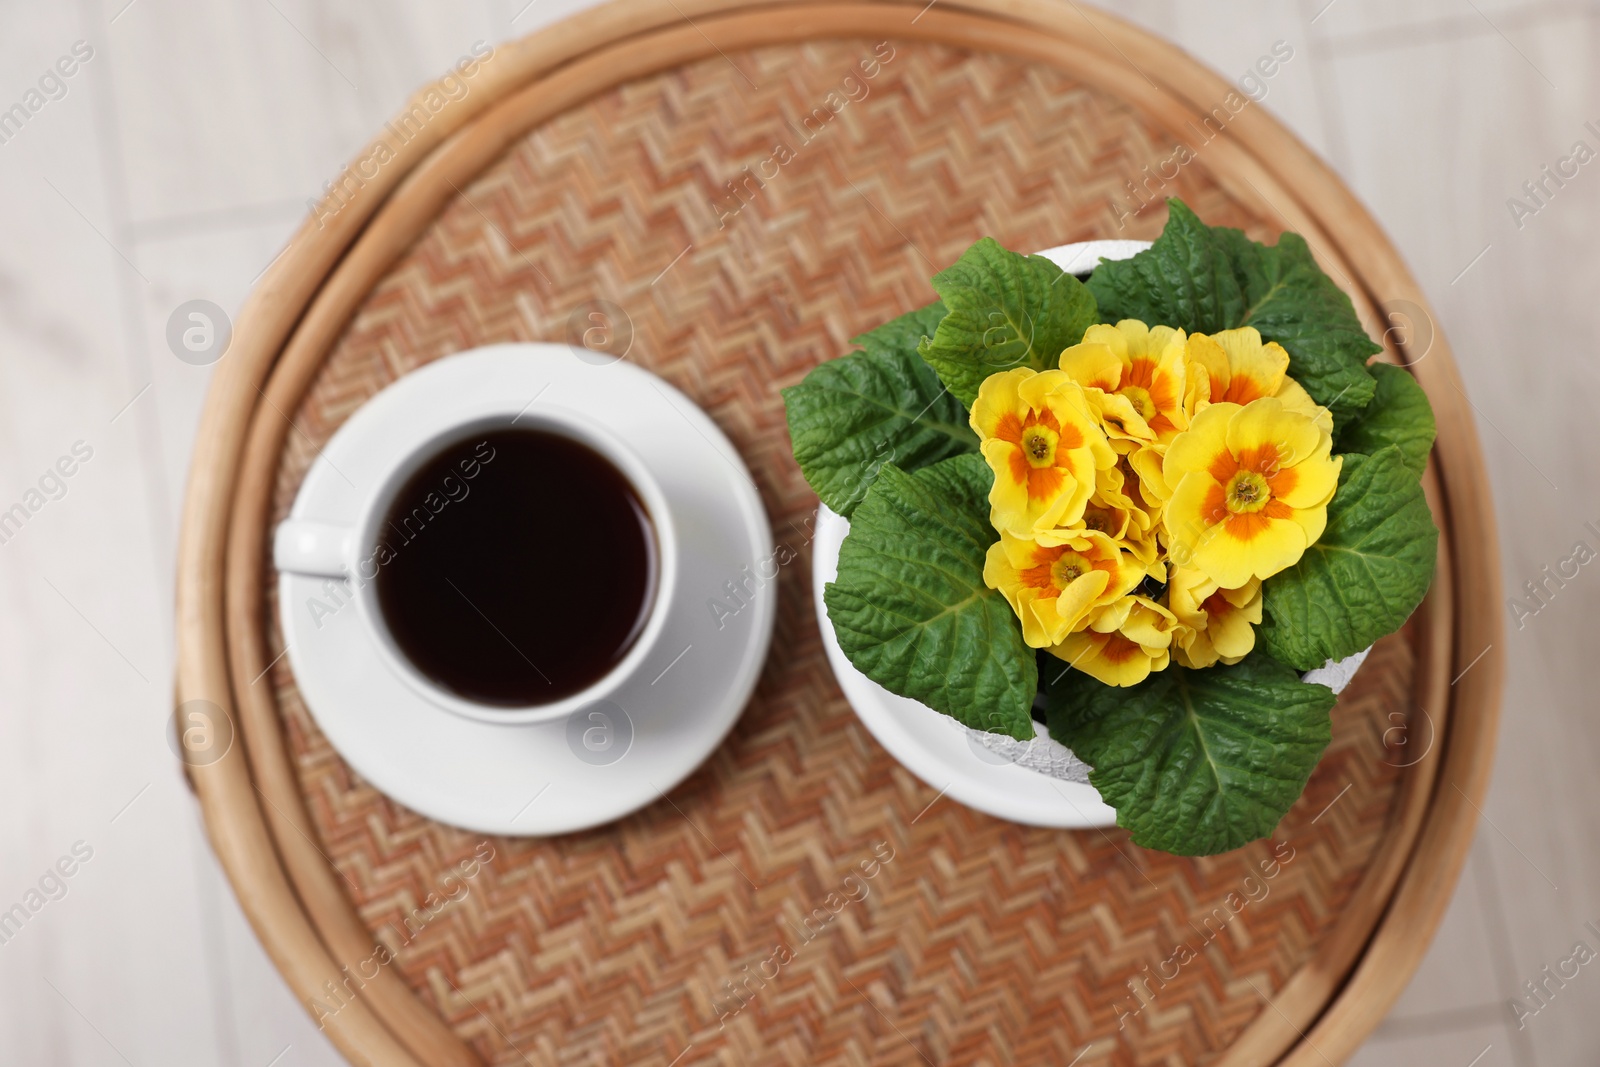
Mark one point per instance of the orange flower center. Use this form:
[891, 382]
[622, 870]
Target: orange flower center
[1246, 492]
[1068, 569]
[1039, 445]
[1099, 519]
[1054, 569]
[1139, 397]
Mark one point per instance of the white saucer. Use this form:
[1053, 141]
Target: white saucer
[531, 779]
[935, 747]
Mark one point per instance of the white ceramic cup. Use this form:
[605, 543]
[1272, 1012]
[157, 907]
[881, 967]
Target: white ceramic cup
[319, 549]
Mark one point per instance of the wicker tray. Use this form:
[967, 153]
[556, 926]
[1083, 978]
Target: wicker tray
[592, 162]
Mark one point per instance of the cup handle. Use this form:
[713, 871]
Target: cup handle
[317, 549]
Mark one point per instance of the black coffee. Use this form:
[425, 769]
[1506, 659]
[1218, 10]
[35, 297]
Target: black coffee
[520, 567]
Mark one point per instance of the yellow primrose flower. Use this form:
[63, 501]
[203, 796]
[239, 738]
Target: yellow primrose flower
[1241, 369]
[1250, 490]
[1140, 642]
[1121, 487]
[1136, 376]
[1054, 588]
[1125, 523]
[1038, 433]
[1215, 624]
[1112, 512]
[1108, 515]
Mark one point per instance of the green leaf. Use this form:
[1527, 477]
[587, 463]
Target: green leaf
[1399, 415]
[1005, 310]
[1186, 278]
[910, 607]
[852, 415]
[1206, 278]
[1196, 762]
[1364, 576]
[905, 333]
[1291, 301]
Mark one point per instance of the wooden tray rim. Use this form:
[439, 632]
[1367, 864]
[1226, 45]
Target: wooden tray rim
[275, 309]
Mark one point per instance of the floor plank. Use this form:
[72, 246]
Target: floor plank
[1442, 134]
[181, 157]
[1477, 1046]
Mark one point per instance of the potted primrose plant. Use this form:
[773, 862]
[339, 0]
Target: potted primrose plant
[1140, 519]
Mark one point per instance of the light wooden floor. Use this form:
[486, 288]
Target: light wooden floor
[181, 158]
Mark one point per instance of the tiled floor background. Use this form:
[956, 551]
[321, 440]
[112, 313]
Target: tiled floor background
[180, 159]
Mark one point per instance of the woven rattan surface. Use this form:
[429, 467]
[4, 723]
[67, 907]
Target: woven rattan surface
[975, 941]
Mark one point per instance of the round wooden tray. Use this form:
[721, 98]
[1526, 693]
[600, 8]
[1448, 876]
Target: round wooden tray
[632, 155]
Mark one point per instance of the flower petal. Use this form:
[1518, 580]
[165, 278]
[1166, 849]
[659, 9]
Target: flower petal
[1255, 370]
[1117, 413]
[1206, 355]
[1195, 507]
[1169, 386]
[998, 404]
[1187, 590]
[1312, 522]
[1111, 659]
[1093, 363]
[1295, 398]
[1308, 484]
[1008, 497]
[1149, 624]
[1198, 447]
[1075, 602]
[1251, 545]
[1033, 390]
[1265, 435]
[1231, 634]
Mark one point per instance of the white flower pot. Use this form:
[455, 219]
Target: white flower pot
[1038, 782]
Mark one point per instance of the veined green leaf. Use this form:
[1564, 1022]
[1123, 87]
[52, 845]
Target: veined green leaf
[853, 415]
[1399, 415]
[1005, 310]
[910, 607]
[1196, 762]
